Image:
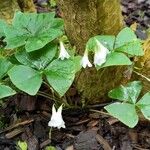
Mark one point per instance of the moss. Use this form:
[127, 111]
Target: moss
[84, 19]
[8, 8]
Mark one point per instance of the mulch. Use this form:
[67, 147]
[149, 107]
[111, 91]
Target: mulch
[26, 118]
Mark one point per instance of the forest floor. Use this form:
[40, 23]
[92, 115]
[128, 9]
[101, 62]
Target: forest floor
[26, 118]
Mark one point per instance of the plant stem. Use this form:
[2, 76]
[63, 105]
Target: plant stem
[50, 133]
[142, 75]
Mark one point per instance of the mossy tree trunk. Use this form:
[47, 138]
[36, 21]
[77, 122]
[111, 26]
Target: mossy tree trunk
[8, 8]
[84, 19]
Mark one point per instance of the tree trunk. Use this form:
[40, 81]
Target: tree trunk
[144, 64]
[8, 8]
[84, 19]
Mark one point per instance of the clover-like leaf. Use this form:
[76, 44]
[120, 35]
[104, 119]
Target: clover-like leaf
[26, 79]
[116, 59]
[124, 112]
[129, 93]
[127, 42]
[60, 74]
[6, 91]
[5, 65]
[37, 59]
[107, 40]
[144, 105]
[32, 30]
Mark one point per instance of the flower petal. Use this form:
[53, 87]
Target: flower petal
[85, 61]
[63, 53]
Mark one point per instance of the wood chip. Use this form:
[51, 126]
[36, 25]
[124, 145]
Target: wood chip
[17, 125]
[14, 133]
[45, 143]
[103, 142]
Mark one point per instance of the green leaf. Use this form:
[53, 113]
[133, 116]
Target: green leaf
[77, 62]
[38, 59]
[144, 105]
[35, 43]
[119, 93]
[2, 25]
[22, 145]
[32, 30]
[125, 36]
[134, 89]
[26, 79]
[60, 75]
[106, 40]
[116, 59]
[133, 48]
[6, 91]
[129, 93]
[127, 42]
[50, 148]
[126, 113]
[5, 65]
[15, 37]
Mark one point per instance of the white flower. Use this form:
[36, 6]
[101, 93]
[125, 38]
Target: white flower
[100, 54]
[63, 53]
[56, 118]
[85, 60]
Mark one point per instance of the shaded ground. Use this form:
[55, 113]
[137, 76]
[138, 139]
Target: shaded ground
[86, 129]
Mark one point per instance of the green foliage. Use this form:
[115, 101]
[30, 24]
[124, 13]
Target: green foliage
[37, 59]
[26, 79]
[53, 3]
[122, 46]
[144, 105]
[127, 110]
[22, 145]
[32, 54]
[33, 38]
[115, 59]
[2, 25]
[32, 30]
[127, 42]
[6, 91]
[5, 65]
[60, 75]
[50, 148]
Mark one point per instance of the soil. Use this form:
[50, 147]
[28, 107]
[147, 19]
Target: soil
[26, 118]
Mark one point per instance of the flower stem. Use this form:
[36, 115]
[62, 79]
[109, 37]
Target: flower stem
[50, 133]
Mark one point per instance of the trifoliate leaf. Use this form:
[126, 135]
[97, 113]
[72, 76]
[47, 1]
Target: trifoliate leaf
[26, 79]
[37, 59]
[126, 113]
[32, 30]
[5, 65]
[129, 93]
[6, 91]
[144, 105]
[60, 75]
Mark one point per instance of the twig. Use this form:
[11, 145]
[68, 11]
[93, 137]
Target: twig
[103, 142]
[14, 133]
[142, 75]
[101, 112]
[17, 125]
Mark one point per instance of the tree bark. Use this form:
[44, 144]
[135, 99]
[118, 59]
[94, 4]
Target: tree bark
[8, 8]
[84, 19]
[143, 63]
